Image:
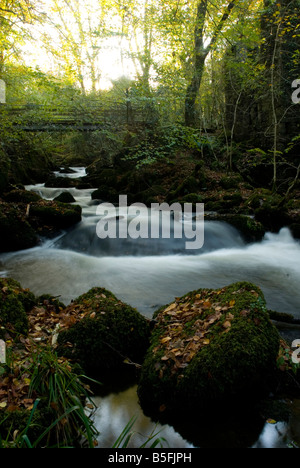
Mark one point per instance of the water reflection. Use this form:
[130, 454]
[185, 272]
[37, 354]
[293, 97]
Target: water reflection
[116, 410]
[245, 430]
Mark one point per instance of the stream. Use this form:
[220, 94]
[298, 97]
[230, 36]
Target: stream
[149, 273]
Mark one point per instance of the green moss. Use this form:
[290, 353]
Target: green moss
[47, 299]
[281, 317]
[58, 215]
[192, 198]
[107, 194]
[14, 303]
[251, 229]
[237, 355]
[189, 185]
[22, 196]
[231, 182]
[110, 332]
[11, 421]
[4, 174]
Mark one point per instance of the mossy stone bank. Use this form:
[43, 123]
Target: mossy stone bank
[15, 302]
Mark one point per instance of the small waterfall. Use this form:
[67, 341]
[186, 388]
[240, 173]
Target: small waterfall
[148, 273]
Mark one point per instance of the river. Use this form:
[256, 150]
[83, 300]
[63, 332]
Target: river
[149, 273]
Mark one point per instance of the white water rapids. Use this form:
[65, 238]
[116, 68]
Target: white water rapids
[150, 273]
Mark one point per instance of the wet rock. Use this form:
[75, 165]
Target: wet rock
[106, 194]
[251, 229]
[61, 182]
[209, 348]
[65, 197]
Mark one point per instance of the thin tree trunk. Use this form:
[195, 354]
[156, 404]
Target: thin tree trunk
[232, 130]
[274, 111]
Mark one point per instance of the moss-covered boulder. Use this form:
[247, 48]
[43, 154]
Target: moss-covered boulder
[106, 333]
[15, 302]
[106, 194]
[209, 348]
[21, 196]
[54, 214]
[270, 209]
[15, 231]
[24, 217]
[250, 229]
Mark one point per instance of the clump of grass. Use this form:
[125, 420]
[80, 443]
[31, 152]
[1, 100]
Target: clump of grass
[152, 441]
[60, 397]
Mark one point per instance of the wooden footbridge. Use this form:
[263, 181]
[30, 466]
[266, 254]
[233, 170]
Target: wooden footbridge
[95, 116]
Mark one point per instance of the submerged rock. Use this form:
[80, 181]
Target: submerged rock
[209, 348]
[105, 333]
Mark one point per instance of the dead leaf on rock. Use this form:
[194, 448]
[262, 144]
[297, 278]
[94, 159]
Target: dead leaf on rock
[227, 324]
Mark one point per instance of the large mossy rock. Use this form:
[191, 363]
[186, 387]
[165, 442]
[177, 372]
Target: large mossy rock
[15, 302]
[24, 217]
[209, 348]
[15, 231]
[106, 334]
[54, 214]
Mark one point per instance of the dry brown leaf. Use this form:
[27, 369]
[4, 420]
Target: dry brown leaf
[227, 324]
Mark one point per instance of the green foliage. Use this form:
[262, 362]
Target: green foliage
[14, 303]
[126, 436]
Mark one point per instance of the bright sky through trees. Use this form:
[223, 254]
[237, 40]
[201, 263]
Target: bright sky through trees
[55, 39]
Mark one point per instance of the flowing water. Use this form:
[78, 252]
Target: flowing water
[149, 273]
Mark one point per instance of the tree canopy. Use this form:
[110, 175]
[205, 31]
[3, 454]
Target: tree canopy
[214, 66]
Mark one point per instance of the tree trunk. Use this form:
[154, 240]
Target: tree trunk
[192, 93]
[200, 54]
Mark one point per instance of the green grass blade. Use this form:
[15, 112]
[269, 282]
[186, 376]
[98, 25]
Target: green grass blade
[125, 433]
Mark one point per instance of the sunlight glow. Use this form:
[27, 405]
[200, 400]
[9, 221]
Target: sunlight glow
[109, 51]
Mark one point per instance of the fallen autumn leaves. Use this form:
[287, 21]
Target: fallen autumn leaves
[186, 333]
[44, 322]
